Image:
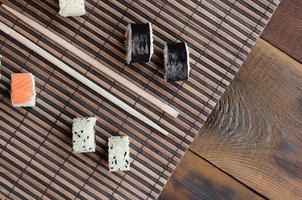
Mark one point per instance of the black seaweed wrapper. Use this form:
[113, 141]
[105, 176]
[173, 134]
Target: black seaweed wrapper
[176, 68]
[140, 42]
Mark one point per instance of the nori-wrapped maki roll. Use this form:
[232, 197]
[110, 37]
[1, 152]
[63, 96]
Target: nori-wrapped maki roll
[139, 43]
[177, 61]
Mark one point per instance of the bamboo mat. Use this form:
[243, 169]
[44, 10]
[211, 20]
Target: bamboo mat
[36, 151]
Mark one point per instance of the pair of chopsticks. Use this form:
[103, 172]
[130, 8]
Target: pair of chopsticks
[91, 61]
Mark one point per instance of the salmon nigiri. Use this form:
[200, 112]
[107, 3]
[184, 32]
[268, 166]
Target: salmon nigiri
[23, 93]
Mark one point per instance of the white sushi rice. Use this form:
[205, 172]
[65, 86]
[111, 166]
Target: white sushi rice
[128, 43]
[151, 41]
[165, 59]
[72, 8]
[83, 134]
[118, 156]
[188, 59]
[32, 101]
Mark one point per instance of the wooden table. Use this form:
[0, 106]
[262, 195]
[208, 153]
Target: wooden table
[251, 147]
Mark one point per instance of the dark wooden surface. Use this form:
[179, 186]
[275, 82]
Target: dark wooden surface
[285, 27]
[253, 136]
[196, 179]
[254, 133]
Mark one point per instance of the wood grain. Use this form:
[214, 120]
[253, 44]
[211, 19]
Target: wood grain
[285, 28]
[254, 133]
[196, 179]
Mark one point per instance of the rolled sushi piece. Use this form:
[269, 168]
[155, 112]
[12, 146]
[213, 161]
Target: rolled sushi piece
[119, 154]
[176, 61]
[83, 134]
[23, 92]
[139, 43]
[72, 8]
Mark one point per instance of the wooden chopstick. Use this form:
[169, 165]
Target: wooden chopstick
[155, 101]
[79, 77]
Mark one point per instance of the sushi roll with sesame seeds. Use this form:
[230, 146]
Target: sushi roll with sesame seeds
[83, 134]
[139, 43]
[119, 154]
[176, 61]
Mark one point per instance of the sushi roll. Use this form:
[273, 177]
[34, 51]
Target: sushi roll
[23, 92]
[83, 134]
[119, 154]
[72, 8]
[139, 43]
[176, 61]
